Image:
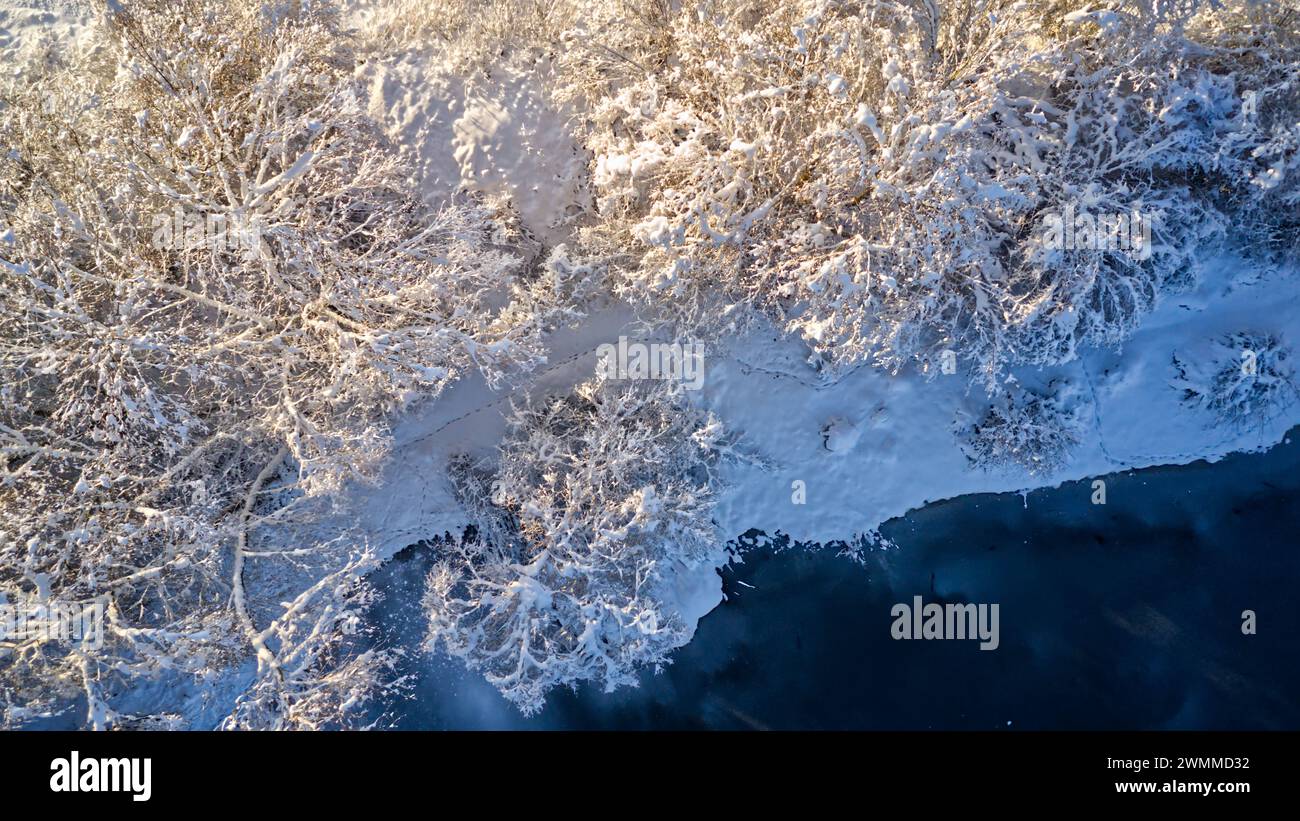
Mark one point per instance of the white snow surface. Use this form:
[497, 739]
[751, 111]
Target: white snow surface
[495, 134]
[895, 448]
[32, 31]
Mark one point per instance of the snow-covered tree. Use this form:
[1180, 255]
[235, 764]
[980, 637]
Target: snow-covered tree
[217, 288]
[598, 500]
[879, 175]
[1246, 381]
[1025, 429]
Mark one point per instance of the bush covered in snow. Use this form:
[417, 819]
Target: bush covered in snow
[217, 289]
[1247, 380]
[878, 175]
[1025, 429]
[598, 501]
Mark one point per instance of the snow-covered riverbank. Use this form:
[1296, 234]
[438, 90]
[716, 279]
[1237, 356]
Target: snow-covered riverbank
[1124, 617]
[905, 454]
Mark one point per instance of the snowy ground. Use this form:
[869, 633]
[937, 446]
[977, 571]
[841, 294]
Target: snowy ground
[904, 454]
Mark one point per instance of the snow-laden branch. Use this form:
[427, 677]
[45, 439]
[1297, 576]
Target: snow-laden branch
[219, 286]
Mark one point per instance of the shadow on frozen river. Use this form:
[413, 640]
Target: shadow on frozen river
[1122, 616]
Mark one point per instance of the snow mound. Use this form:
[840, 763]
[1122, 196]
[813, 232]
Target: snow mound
[496, 135]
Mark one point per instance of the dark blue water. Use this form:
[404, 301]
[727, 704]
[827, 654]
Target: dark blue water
[1122, 616]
